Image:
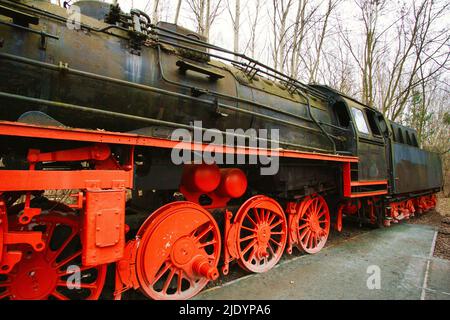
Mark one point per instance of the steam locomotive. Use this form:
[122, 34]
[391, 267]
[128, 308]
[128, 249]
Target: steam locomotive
[90, 99]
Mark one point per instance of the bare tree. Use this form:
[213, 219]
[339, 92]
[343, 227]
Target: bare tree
[319, 41]
[177, 12]
[367, 59]
[418, 46]
[253, 18]
[155, 16]
[204, 13]
[236, 21]
[279, 18]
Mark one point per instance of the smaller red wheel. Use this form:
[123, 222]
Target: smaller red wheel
[261, 233]
[313, 224]
[56, 272]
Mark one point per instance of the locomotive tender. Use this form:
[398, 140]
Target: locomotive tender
[89, 100]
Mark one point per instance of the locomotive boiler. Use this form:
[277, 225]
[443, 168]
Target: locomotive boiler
[90, 97]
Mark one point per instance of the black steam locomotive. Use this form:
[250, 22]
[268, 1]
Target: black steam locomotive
[92, 66]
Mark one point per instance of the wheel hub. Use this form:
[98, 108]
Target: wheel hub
[314, 223]
[35, 279]
[183, 251]
[263, 234]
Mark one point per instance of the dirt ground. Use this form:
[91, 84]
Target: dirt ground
[439, 218]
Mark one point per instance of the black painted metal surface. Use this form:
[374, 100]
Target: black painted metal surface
[415, 169]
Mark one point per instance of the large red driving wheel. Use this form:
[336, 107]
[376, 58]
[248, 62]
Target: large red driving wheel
[55, 272]
[178, 252]
[313, 224]
[261, 234]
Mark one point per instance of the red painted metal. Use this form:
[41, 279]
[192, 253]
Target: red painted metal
[258, 235]
[219, 185]
[368, 194]
[103, 236]
[346, 178]
[126, 277]
[24, 180]
[98, 152]
[45, 274]
[10, 257]
[200, 178]
[310, 224]
[401, 210]
[338, 223]
[229, 245]
[178, 252]
[233, 183]
[27, 130]
[368, 183]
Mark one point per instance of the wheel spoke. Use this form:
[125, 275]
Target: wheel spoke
[249, 229]
[168, 280]
[5, 294]
[180, 281]
[88, 285]
[49, 233]
[68, 259]
[276, 224]
[163, 271]
[304, 233]
[278, 232]
[82, 269]
[253, 236]
[54, 254]
[255, 212]
[273, 216]
[252, 255]
[205, 244]
[321, 214]
[265, 214]
[251, 220]
[319, 205]
[277, 243]
[303, 226]
[250, 245]
[59, 295]
[271, 250]
[311, 238]
[203, 233]
[306, 239]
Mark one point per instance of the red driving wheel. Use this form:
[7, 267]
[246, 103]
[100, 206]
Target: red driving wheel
[261, 234]
[313, 224]
[55, 272]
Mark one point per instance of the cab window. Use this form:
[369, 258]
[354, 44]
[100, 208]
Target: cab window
[360, 121]
[372, 122]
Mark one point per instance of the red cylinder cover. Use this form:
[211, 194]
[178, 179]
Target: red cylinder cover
[201, 177]
[233, 183]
